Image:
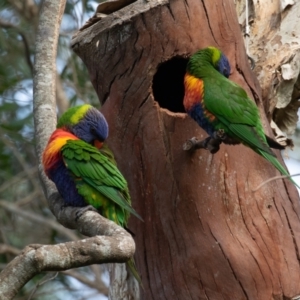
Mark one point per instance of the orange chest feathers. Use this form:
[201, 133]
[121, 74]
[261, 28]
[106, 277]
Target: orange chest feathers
[194, 96]
[194, 91]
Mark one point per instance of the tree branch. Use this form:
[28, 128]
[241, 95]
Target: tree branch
[17, 178]
[7, 249]
[20, 159]
[116, 246]
[36, 194]
[38, 219]
[109, 242]
[5, 24]
[25, 8]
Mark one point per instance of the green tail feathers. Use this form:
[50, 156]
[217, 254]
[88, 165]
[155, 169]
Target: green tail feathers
[132, 268]
[273, 160]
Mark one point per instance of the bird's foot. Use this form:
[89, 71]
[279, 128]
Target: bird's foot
[210, 144]
[220, 135]
[192, 144]
[213, 145]
[84, 209]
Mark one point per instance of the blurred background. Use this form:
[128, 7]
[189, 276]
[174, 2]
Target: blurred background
[24, 216]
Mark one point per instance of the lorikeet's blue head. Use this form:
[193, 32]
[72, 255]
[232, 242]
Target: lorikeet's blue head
[85, 122]
[223, 65]
[212, 56]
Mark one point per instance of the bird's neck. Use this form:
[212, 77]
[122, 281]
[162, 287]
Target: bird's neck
[204, 70]
[194, 89]
[52, 151]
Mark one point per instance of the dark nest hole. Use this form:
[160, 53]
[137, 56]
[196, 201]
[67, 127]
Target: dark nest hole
[167, 86]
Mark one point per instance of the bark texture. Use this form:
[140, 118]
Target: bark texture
[274, 44]
[206, 234]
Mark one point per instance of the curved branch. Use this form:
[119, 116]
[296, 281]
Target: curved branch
[116, 246]
[109, 242]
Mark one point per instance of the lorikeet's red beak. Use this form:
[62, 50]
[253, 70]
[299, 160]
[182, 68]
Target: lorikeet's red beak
[98, 144]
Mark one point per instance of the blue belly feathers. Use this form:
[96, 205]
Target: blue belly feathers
[66, 185]
[197, 113]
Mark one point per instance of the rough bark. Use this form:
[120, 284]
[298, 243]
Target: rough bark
[206, 234]
[108, 242]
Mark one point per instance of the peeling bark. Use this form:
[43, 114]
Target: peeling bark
[274, 45]
[206, 234]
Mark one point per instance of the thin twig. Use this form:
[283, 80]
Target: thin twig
[5, 24]
[41, 283]
[39, 219]
[97, 285]
[7, 249]
[26, 9]
[274, 178]
[17, 178]
[30, 197]
[21, 160]
[97, 270]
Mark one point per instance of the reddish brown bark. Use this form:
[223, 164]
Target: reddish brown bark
[206, 234]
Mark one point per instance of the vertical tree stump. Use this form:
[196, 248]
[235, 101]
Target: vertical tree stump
[206, 234]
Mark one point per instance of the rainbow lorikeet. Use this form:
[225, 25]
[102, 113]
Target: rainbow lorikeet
[83, 168]
[222, 108]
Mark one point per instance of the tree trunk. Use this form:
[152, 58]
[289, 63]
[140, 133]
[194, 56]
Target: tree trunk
[206, 233]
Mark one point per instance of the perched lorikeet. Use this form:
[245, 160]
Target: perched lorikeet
[220, 105]
[83, 168]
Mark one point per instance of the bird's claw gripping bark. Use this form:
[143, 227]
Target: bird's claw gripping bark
[220, 135]
[191, 144]
[82, 210]
[210, 144]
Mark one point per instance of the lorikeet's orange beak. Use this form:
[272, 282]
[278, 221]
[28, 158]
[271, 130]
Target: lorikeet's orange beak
[98, 144]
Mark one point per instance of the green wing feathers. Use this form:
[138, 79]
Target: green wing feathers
[98, 180]
[239, 116]
[100, 183]
[250, 137]
[225, 99]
